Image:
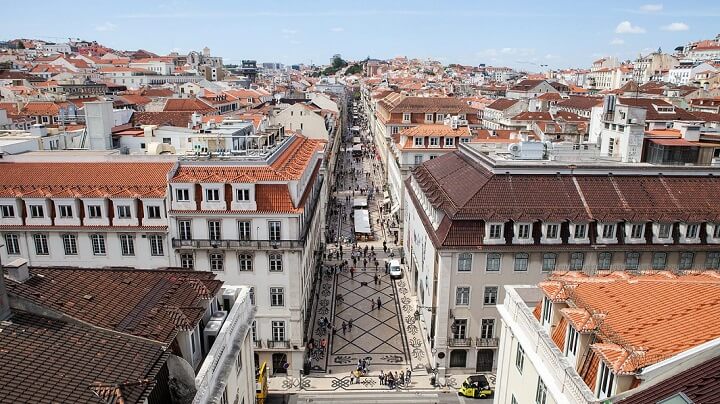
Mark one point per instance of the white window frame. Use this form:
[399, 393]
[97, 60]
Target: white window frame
[407, 117]
[42, 247]
[274, 230]
[7, 211]
[154, 212]
[549, 257]
[606, 381]
[94, 211]
[242, 195]
[434, 141]
[712, 260]
[212, 195]
[187, 261]
[214, 230]
[604, 260]
[278, 330]
[495, 231]
[519, 358]
[12, 244]
[277, 297]
[580, 231]
[37, 211]
[97, 241]
[490, 299]
[686, 260]
[182, 195]
[632, 260]
[521, 262]
[487, 328]
[637, 230]
[156, 245]
[70, 244]
[428, 117]
[217, 262]
[127, 245]
[657, 262]
[275, 262]
[572, 341]
[66, 211]
[245, 262]
[524, 231]
[462, 296]
[449, 141]
[244, 230]
[421, 142]
[609, 231]
[185, 229]
[552, 231]
[493, 262]
[464, 262]
[124, 212]
[541, 392]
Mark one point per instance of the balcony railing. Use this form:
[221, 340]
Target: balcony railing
[271, 344]
[486, 342]
[258, 344]
[460, 342]
[204, 243]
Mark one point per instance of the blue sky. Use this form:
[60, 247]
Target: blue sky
[522, 34]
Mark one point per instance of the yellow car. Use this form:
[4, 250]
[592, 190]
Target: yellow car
[476, 386]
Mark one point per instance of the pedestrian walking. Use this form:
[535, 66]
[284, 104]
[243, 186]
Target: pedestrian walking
[352, 272]
[344, 327]
[375, 278]
[379, 303]
[382, 377]
[408, 373]
[350, 322]
[402, 377]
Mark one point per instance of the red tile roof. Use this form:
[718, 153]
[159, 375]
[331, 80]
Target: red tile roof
[288, 166]
[187, 105]
[481, 195]
[162, 118]
[635, 333]
[83, 179]
[51, 361]
[652, 114]
[152, 304]
[502, 104]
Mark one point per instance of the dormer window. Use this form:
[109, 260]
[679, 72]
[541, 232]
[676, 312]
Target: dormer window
[462, 116]
[440, 118]
[495, 231]
[637, 230]
[552, 231]
[606, 380]
[66, 211]
[182, 195]
[716, 231]
[580, 231]
[664, 230]
[123, 212]
[428, 117]
[524, 231]
[212, 195]
[406, 117]
[434, 141]
[37, 211]
[608, 231]
[692, 231]
[450, 141]
[243, 194]
[7, 210]
[418, 141]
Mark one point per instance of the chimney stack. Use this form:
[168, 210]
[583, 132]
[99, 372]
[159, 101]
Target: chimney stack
[18, 270]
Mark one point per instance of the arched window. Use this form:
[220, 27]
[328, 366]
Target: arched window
[576, 261]
[465, 262]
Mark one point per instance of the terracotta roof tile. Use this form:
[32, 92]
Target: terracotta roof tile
[83, 179]
[52, 361]
[143, 303]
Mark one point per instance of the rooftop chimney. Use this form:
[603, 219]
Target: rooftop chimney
[4, 302]
[18, 270]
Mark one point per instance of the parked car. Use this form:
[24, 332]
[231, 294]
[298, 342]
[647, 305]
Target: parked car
[476, 386]
[395, 269]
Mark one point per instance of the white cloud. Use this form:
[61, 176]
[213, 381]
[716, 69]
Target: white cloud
[626, 27]
[288, 31]
[107, 26]
[676, 26]
[651, 8]
[337, 29]
[617, 41]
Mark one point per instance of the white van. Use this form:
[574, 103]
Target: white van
[395, 269]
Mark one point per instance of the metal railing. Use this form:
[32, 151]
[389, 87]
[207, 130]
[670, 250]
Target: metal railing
[258, 344]
[460, 342]
[271, 344]
[205, 243]
[486, 342]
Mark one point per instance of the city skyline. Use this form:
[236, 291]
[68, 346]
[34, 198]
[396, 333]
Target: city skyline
[463, 32]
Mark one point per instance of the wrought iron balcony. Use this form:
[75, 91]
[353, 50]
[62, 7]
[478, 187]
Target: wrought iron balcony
[205, 243]
[486, 342]
[460, 342]
[258, 344]
[271, 344]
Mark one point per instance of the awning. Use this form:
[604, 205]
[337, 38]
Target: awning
[362, 221]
